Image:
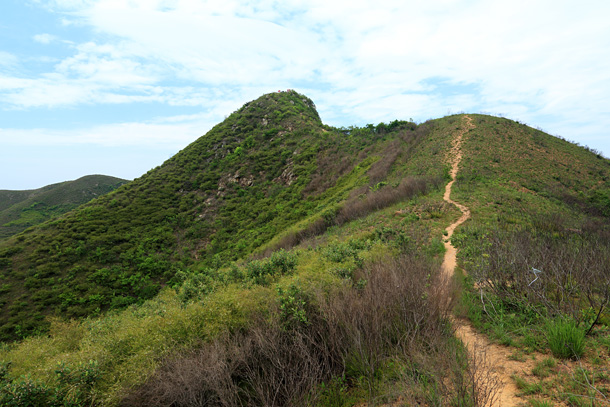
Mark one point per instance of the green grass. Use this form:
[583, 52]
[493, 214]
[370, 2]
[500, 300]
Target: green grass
[540, 403]
[536, 202]
[525, 192]
[566, 339]
[526, 387]
[543, 368]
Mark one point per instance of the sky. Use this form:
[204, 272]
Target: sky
[117, 87]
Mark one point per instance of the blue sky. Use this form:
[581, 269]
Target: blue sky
[116, 87]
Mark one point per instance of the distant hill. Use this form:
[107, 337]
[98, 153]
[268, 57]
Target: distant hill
[22, 209]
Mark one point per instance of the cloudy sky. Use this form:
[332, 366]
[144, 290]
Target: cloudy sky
[116, 87]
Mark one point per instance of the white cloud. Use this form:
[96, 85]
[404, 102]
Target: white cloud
[104, 65]
[44, 38]
[166, 134]
[7, 59]
[358, 60]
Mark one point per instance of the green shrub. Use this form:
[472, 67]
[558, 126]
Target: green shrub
[25, 392]
[335, 393]
[436, 248]
[343, 272]
[262, 271]
[566, 340]
[4, 367]
[283, 261]
[341, 252]
[293, 306]
[195, 285]
[73, 389]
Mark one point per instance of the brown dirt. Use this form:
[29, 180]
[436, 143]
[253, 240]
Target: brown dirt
[495, 356]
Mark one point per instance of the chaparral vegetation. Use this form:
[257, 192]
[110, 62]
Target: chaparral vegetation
[279, 261]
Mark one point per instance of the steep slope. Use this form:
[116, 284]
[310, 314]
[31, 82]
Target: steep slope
[267, 166]
[22, 209]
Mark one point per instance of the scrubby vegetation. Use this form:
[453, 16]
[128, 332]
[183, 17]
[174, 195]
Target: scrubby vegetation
[343, 320]
[279, 261]
[537, 248]
[229, 193]
[314, 345]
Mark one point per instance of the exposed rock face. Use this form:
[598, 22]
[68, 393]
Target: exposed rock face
[287, 176]
[234, 179]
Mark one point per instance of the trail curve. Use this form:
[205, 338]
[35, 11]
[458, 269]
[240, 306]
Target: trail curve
[489, 355]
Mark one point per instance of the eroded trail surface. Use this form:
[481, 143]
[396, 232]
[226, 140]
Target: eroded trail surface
[488, 355]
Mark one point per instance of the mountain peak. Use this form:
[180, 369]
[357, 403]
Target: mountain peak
[280, 107]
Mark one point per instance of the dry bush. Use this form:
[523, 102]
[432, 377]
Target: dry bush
[413, 137]
[381, 168]
[406, 141]
[446, 374]
[574, 269]
[292, 239]
[353, 332]
[477, 386]
[202, 377]
[599, 227]
[357, 207]
[330, 167]
[393, 313]
[285, 365]
[382, 198]
[266, 366]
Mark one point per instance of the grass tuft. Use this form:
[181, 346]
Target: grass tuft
[566, 340]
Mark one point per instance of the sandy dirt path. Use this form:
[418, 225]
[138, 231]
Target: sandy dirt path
[481, 349]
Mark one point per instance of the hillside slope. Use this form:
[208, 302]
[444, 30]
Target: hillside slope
[22, 209]
[350, 305]
[268, 166]
[510, 168]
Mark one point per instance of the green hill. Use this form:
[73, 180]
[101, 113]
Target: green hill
[22, 209]
[280, 261]
[267, 167]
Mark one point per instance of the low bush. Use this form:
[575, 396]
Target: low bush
[195, 285]
[73, 388]
[542, 273]
[263, 271]
[295, 356]
[340, 252]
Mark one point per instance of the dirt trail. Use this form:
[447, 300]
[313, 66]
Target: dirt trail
[492, 355]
